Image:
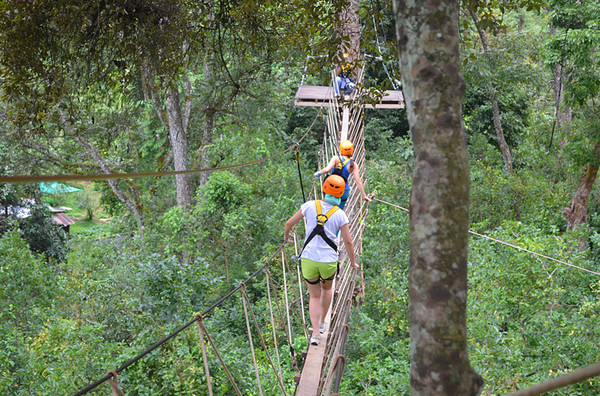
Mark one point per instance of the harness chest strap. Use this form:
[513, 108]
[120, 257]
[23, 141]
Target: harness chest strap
[319, 228]
[341, 164]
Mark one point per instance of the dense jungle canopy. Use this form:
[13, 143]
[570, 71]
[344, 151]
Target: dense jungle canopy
[134, 86]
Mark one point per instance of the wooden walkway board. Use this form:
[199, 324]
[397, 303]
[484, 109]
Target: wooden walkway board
[391, 100]
[313, 95]
[311, 372]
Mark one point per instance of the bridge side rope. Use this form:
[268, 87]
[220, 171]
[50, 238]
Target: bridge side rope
[573, 377]
[508, 244]
[393, 81]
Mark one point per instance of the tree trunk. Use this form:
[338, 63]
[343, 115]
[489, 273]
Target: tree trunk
[506, 156]
[504, 149]
[439, 202]
[207, 139]
[175, 120]
[350, 28]
[179, 145]
[134, 205]
[576, 214]
[208, 107]
[563, 113]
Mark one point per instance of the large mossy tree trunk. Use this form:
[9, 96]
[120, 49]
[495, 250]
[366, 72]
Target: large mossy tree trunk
[439, 202]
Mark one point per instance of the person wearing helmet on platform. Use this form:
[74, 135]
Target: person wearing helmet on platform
[319, 256]
[343, 81]
[345, 166]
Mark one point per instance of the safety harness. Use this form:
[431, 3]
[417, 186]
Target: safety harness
[339, 169]
[319, 228]
[342, 164]
[344, 70]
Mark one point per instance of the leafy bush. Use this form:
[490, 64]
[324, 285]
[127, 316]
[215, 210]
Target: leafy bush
[528, 317]
[43, 235]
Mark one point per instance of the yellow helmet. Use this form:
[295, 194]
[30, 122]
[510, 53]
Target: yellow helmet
[334, 185]
[346, 147]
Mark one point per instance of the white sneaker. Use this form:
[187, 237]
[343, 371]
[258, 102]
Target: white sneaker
[322, 327]
[315, 339]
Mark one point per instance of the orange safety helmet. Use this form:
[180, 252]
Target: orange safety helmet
[346, 147]
[334, 185]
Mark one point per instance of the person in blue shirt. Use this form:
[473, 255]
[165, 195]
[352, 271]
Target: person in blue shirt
[343, 82]
[345, 166]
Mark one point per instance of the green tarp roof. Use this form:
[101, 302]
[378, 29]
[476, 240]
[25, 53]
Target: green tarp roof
[57, 188]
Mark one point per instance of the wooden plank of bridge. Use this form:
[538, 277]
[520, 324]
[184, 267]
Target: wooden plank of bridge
[311, 371]
[390, 100]
[313, 95]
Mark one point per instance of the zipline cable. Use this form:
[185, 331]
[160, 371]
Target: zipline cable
[508, 244]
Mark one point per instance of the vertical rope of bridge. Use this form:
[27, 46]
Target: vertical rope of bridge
[340, 368]
[260, 337]
[275, 342]
[114, 383]
[214, 347]
[337, 369]
[337, 344]
[282, 320]
[300, 294]
[243, 289]
[287, 303]
[204, 355]
[342, 310]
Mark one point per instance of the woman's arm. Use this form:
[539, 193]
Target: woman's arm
[332, 163]
[292, 221]
[359, 184]
[349, 244]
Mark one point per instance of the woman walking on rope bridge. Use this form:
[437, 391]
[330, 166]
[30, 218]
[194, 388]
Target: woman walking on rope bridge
[323, 218]
[345, 166]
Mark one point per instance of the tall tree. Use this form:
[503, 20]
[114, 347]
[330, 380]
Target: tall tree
[439, 203]
[573, 46]
[492, 94]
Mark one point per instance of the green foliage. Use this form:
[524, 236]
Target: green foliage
[28, 286]
[527, 316]
[223, 193]
[179, 232]
[378, 364]
[42, 234]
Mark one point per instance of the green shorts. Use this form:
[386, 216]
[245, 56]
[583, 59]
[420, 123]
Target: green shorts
[314, 269]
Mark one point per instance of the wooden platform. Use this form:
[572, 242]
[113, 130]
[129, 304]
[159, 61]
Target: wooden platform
[313, 95]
